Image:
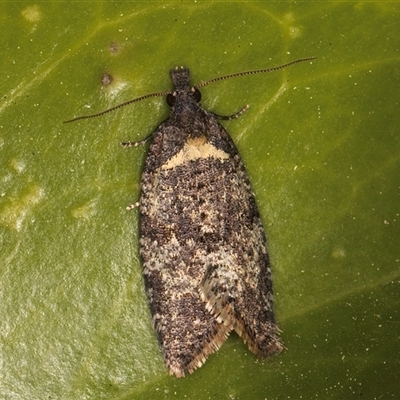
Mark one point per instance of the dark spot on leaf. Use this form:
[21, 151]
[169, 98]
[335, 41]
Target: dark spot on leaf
[106, 79]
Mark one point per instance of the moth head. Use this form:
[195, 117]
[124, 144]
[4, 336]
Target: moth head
[194, 92]
[181, 80]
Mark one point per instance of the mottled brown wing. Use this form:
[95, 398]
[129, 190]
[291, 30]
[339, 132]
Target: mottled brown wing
[175, 240]
[237, 285]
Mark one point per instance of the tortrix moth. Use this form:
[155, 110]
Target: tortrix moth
[205, 261]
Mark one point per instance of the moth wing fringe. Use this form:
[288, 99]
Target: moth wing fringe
[273, 347]
[198, 360]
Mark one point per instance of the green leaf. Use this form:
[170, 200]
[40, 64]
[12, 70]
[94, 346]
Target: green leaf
[321, 146]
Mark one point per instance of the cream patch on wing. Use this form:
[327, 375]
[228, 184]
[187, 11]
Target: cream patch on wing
[193, 149]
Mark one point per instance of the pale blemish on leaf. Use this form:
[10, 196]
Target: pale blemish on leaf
[338, 253]
[13, 213]
[32, 13]
[85, 211]
[17, 165]
[294, 32]
[115, 89]
[288, 21]
[288, 17]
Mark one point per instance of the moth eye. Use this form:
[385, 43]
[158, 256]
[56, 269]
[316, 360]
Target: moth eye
[171, 99]
[197, 95]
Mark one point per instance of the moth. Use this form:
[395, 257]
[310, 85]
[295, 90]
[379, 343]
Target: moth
[202, 243]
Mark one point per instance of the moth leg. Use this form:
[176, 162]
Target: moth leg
[138, 143]
[135, 144]
[133, 206]
[229, 117]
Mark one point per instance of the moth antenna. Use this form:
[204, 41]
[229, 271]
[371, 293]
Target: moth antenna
[255, 71]
[118, 106]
